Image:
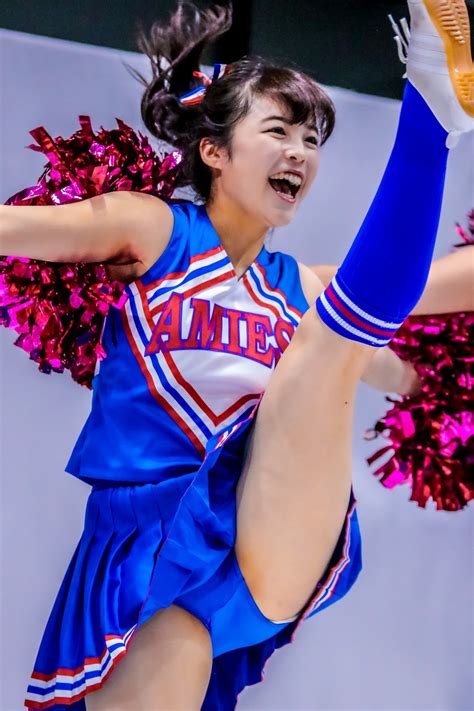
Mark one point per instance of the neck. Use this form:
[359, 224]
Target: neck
[241, 236]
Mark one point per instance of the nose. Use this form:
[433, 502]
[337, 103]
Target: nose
[295, 152]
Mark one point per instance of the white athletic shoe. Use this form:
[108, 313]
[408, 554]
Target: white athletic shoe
[437, 52]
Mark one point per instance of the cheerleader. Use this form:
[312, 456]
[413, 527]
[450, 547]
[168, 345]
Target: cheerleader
[218, 447]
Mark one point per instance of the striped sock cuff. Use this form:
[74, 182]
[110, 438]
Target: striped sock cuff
[341, 314]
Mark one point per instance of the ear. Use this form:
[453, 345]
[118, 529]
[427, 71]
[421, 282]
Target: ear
[212, 155]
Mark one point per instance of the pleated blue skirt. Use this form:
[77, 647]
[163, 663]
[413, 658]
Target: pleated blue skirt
[147, 546]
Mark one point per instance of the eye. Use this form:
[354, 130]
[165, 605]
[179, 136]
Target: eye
[280, 129]
[313, 140]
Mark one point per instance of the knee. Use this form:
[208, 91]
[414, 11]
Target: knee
[175, 622]
[180, 617]
[151, 675]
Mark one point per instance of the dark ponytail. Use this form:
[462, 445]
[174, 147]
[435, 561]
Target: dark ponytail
[175, 49]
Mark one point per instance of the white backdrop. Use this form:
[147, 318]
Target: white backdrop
[402, 639]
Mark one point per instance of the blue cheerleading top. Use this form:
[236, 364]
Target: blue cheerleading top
[188, 354]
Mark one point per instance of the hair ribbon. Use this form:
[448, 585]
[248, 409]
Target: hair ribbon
[195, 96]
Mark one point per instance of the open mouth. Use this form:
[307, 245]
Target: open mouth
[286, 185]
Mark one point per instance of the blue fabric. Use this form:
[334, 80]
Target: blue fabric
[160, 522]
[385, 271]
[120, 441]
[145, 547]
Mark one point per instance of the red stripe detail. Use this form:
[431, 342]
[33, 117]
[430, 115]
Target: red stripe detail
[177, 275]
[323, 590]
[151, 385]
[196, 289]
[351, 317]
[87, 660]
[278, 291]
[271, 308]
[342, 565]
[216, 419]
[145, 304]
[204, 255]
[68, 700]
[190, 100]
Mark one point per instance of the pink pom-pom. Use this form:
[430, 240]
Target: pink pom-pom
[58, 310]
[431, 434]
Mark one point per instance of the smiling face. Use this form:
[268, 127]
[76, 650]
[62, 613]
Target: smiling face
[271, 167]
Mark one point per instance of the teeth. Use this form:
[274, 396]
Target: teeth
[291, 177]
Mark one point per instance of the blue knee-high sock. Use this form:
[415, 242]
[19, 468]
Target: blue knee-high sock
[386, 268]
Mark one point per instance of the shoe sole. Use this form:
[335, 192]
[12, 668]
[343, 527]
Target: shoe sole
[451, 19]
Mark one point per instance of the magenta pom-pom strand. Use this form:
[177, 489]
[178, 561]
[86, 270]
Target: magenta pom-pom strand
[58, 310]
[431, 434]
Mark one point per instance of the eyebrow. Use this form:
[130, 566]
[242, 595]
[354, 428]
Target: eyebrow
[285, 120]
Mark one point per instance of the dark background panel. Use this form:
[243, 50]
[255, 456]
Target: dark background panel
[345, 43]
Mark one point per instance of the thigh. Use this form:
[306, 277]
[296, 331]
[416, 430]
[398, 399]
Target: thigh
[295, 486]
[150, 676]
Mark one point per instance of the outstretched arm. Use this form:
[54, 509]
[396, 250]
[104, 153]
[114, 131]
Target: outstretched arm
[450, 285]
[120, 226]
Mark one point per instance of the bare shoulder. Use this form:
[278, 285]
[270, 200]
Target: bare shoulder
[149, 222]
[310, 283]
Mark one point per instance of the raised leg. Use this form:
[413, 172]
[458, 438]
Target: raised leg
[294, 490]
[167, 667]
[293, 493]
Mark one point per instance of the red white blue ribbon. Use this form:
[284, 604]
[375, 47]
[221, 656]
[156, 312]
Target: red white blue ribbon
[195, 96]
